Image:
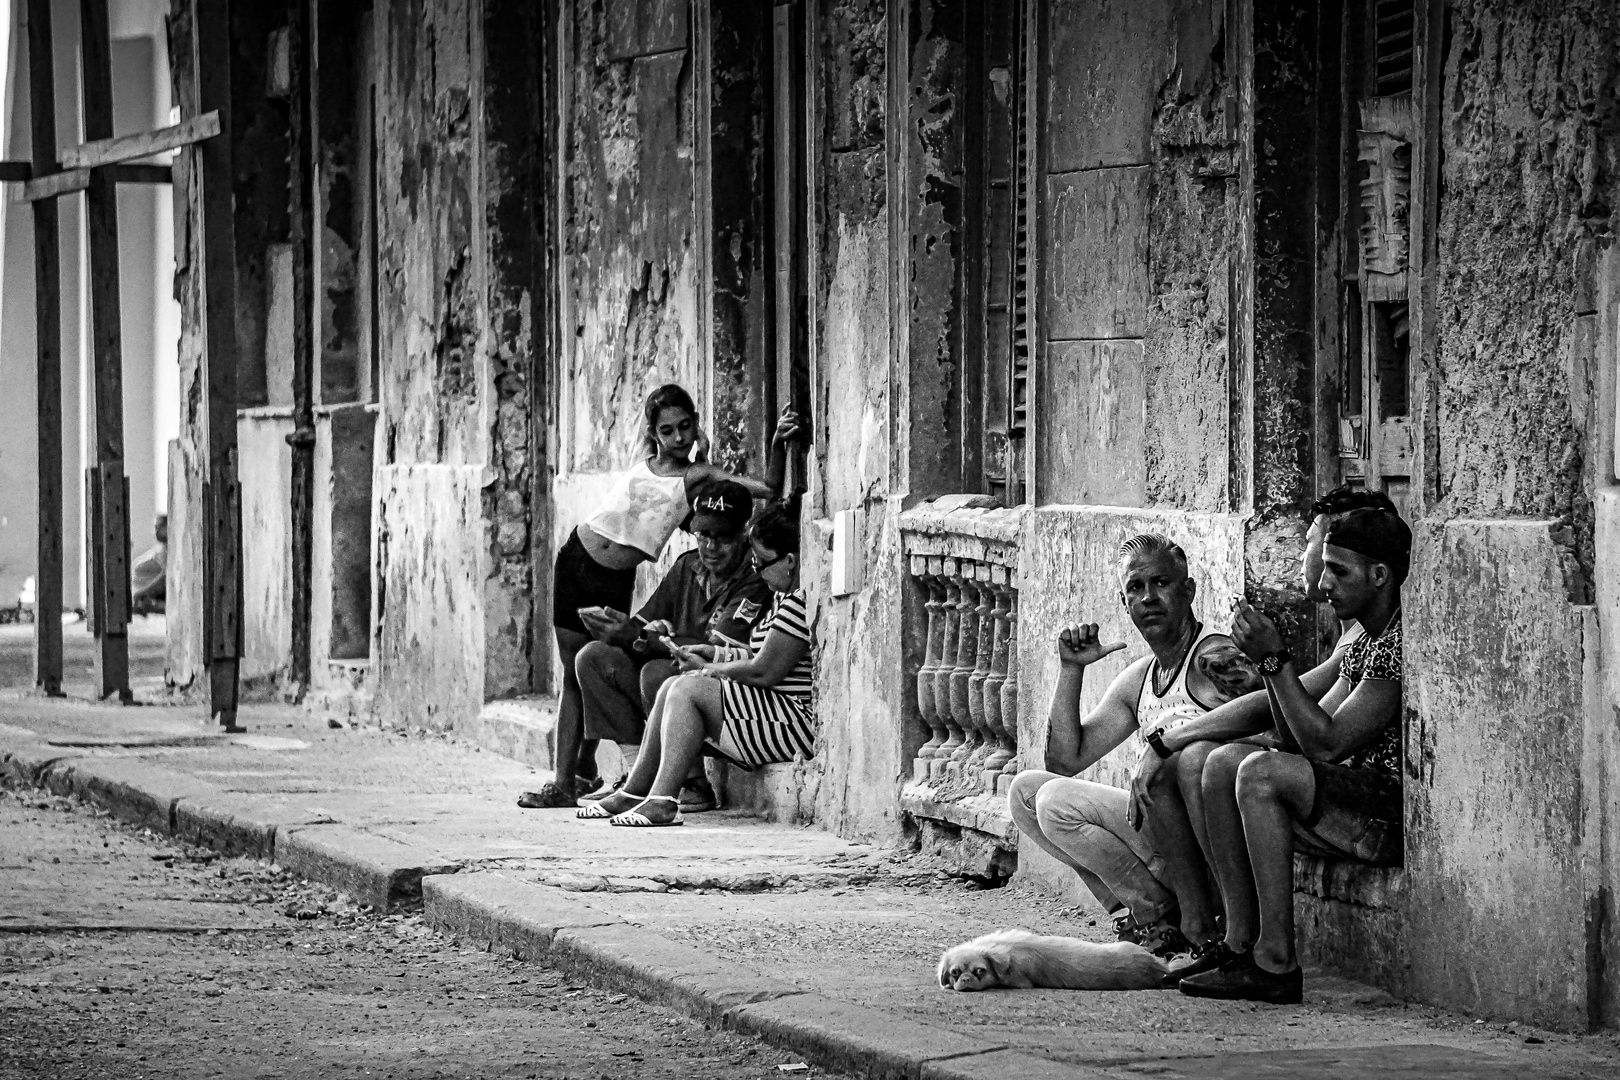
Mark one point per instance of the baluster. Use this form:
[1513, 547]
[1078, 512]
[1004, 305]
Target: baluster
[967, 648]
[1009, 689]
[952, 611]
[983, 651]
[1005, 749]
[923, 571]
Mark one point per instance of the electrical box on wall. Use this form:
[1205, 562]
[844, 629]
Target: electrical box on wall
[846, 553]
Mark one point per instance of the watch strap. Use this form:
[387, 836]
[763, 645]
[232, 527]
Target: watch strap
[1155, 739]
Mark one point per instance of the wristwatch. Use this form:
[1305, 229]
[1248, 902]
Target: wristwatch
[1155, 739]
[1273, 662]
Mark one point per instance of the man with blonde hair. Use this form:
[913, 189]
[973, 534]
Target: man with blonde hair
[1086, 825]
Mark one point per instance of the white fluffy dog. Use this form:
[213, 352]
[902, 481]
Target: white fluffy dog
[1020, 960]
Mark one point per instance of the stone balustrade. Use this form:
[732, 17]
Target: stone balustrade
[963, 554]
[967, 687]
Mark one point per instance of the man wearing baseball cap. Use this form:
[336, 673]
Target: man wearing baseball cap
[711, 595]
[1340, 796]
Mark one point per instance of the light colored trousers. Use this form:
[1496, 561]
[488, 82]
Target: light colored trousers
[1082, 824]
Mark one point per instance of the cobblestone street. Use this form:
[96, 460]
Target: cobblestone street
[123, 955]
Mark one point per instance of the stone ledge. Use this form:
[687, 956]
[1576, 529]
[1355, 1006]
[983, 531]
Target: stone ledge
[947, 527]
[523, 729]
[1378, 887]
[984, 813]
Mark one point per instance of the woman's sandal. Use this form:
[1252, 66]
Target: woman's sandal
[595, 810]
[634, 819]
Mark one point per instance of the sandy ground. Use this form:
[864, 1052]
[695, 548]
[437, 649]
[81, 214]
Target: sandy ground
[123, 955]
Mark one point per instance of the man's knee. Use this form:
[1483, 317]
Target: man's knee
[1222, 764]
[1190, 762]
[1069, 806]
[1021, 794]
[1268, 778]
[596, 659]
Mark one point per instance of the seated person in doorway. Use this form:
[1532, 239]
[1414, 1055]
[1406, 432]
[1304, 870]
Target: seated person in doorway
[1167, 787]
[1189, 670]
[750, 705]
[710, 596]
[1340, 795]
[149, 576]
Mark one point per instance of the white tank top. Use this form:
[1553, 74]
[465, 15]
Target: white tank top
[1177, 705]
[642, 510]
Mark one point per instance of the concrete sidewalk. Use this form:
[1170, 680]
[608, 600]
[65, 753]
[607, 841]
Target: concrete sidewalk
[823, 947]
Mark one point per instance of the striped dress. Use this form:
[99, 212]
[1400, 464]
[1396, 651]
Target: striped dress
[762, 725]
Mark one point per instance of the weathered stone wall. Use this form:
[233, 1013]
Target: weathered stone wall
[1192, 220]
[1494, 748]
[1510, 699]
[861, 705]
[1531, 158]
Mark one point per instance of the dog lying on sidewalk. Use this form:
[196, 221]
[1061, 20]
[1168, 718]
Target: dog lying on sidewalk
[1020, 960]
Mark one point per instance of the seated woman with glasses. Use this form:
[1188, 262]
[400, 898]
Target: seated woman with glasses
[750, 706]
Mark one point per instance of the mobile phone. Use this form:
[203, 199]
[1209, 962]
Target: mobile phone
[721, 639]
[678, 649]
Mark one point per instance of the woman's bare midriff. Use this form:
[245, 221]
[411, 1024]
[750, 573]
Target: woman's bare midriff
[609, 553]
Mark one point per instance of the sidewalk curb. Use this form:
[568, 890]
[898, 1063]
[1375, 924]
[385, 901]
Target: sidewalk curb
[28, 763]
[372, 869]
[532, 921]
[130, 789]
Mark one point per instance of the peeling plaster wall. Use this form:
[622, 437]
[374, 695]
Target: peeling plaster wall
[430, 652]
[630, 263]
[453, 511]
[1066, 571]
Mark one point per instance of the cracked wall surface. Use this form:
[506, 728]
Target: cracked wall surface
[1529, 175]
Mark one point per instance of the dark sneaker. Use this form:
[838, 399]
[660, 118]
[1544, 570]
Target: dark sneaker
[1165, 940]
[697, 795]
[1206, 957]
[1241, 979]
[548, 797]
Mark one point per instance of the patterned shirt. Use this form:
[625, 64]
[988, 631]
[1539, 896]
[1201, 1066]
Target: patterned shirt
[788, 615]
[1377, 658]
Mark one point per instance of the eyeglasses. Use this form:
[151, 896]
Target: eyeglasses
[760, 567]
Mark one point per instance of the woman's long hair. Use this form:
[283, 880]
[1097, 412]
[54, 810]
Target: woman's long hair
[776, 528]
[668, 396]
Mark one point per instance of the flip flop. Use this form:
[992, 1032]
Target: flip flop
[634, 819]
[594, 809]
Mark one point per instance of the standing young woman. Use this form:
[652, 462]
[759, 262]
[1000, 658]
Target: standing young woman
[754, 706]
[597, 566]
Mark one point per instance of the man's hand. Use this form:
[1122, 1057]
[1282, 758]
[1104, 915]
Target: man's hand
[1147, 767]
[1078, 645]
[1253, 632]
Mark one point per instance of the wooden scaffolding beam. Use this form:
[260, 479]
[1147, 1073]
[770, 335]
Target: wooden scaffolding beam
[48, 360]
[222, 571]
[108, 488]
[96, 167]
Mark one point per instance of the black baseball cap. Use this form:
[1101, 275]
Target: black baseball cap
[1379, 535]
[722, 505]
